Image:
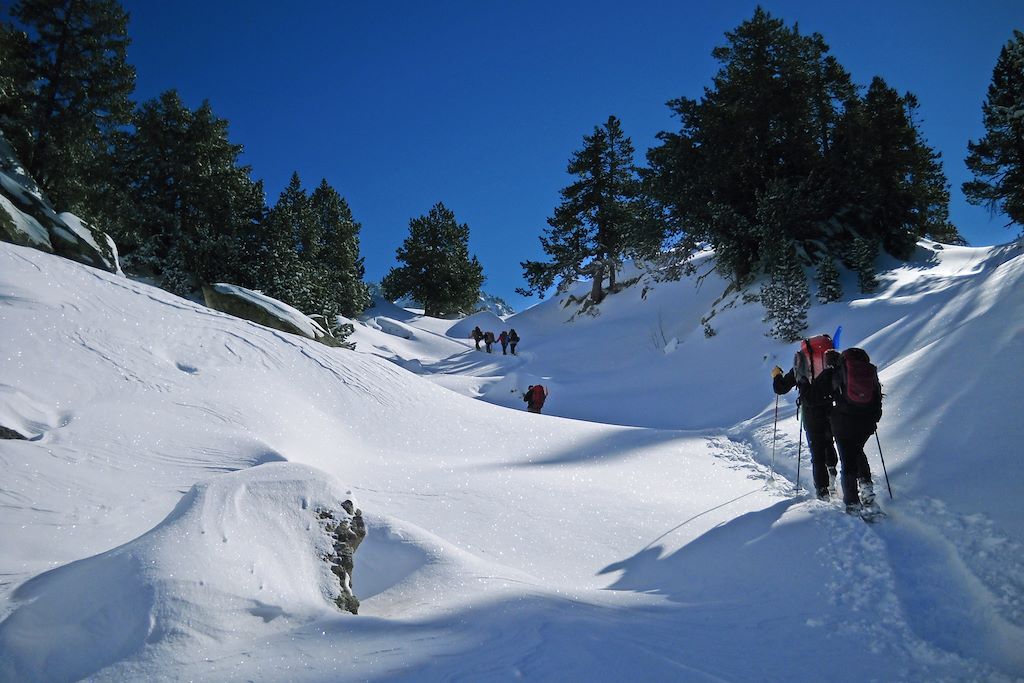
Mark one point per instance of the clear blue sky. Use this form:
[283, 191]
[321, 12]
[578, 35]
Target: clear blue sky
[479, 104]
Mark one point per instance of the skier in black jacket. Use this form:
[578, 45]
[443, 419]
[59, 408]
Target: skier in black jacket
[816, 404]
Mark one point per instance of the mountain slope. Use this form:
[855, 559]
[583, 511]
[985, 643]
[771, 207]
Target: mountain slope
[500, 544]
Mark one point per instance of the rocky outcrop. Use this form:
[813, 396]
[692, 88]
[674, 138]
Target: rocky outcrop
[269, 312]
[347, 533]
[26, 218]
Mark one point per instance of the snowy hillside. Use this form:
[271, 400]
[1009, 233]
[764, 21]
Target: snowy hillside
[159, 519]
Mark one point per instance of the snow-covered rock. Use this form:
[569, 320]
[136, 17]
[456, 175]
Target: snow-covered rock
[27, 219]
[260, 308]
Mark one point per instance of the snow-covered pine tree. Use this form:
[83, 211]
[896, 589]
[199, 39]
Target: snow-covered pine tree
[862, 255]
[786, 297]
[827, 276]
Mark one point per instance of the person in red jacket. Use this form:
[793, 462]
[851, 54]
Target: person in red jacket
[535, 397]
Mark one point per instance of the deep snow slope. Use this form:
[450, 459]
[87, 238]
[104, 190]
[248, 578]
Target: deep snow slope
[501, 545]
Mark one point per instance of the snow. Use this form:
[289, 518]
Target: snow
[156, 522]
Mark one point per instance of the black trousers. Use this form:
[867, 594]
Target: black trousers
[820, 443]
[855, 464]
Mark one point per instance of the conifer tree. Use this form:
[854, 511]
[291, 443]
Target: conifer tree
[769, 118]
[438, 270]
[997, 159]
[340, 249]
[829, 288]
[861, 259]
[785, 297]
[186, 210]
[77, 91]
[598, 221]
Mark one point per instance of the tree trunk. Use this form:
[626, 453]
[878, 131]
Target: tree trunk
[595, 290]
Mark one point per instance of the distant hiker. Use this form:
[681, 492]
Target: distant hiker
[513, 339]
[488, 340]
[535, 397]
[503, 339]
[852, 382]
[476, 335]
[815, 402]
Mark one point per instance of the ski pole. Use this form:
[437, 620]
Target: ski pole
[883, 463]
[775, 434]
[800, 440]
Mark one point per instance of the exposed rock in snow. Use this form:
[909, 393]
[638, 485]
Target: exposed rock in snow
[27, 219]
[260, 308]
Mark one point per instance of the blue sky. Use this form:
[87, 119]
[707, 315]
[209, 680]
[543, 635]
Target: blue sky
[480, 104]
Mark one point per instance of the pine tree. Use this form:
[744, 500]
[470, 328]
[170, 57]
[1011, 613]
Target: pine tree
[861, 259]
[79, 83]
[340, 249]
[997, 160]
[598, 221]
[829, 289]
[185, 211]
[785, 297]
[769, 118]
[438, 270]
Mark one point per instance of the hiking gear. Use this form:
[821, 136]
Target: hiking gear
[866, 491]
[809, 361]
[799, 440]
[883, 464]
[836, 337]
[853, 508]
[775, 434]
[871, 513]
[776, 371]
[832, 358]
[823, 494]
[534, 397]
[855, 383]
[833, 474]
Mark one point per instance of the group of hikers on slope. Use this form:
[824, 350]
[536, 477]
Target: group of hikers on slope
[840, 400]
[506, 339]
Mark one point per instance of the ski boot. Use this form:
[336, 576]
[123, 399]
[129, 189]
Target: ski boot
[833, 475]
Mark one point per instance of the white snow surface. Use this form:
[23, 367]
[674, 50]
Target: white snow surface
[156, 522]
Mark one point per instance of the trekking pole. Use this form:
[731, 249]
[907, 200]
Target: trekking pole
[800, 440]
[775, 435]
[883, 464]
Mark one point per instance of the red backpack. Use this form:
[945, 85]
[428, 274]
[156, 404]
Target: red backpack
[809, 361]
[856, 381]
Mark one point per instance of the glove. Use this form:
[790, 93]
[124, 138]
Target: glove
[776, 371]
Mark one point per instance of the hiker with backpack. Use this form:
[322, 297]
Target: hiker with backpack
[535, 397]
[851, 380]
[488, 340]
[815, 404]
[476, 335]
[503, 339]
[513, 339]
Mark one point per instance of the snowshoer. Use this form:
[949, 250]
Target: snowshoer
[815, 404]
[851, 380]
[503, 339]
[476, 335]
[535, 397]
[488, 340]
[513, 339]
